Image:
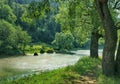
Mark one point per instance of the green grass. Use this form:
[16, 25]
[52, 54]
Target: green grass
[66, 75]
[108, 80]
[86, 65]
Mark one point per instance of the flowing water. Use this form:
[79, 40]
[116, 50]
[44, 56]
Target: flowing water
[22, 64]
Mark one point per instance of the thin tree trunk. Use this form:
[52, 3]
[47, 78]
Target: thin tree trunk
[117, 68]
[108, 64]
[94, 44]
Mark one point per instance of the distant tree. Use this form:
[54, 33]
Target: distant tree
[6, 12]
[40, 21]
[7, 35]
[12, 38]
[22, 39]
[70, 19]
[63, 40]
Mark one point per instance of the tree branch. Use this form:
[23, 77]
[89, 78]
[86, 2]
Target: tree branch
[117, 6]
[118, 25]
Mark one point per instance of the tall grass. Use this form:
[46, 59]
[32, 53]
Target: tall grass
[108, 80]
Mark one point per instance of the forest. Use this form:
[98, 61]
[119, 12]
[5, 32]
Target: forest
[38, 26]
[56, 25]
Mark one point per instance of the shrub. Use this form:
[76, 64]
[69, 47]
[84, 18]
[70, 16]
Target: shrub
[42, 51]
[49, 50]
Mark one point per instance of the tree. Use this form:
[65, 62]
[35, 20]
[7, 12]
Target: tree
[6, 12]
[108, 62]
[117, 64]
[115, 7]
[40, 20]
[95, 31]
[38, 9]
[6, 31]
[12, 39]
[77, 17]
[22, 39]
[7, 36]
[63, 41]
[71, 19]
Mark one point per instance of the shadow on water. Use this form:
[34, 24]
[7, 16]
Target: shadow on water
[10, 56]
[74, 54]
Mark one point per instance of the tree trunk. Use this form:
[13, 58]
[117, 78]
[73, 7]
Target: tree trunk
[108, 64]
[94, 44]
[117, 68]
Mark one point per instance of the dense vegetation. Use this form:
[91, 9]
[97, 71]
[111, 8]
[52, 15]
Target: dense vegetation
[18, 31]
[27, 23]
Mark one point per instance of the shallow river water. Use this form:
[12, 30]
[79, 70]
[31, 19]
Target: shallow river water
[41, 62]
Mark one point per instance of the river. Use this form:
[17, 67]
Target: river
[17, 65]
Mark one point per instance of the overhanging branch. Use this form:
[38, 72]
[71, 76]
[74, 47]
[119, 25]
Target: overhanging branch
[117, 5]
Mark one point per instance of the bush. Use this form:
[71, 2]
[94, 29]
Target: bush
[33, 48]
[42, 51]
[49, 50]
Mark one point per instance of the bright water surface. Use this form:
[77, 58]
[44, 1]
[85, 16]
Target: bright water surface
[18, 65]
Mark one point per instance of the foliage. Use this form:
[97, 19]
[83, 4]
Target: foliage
[6, 12]
[62, 17]
[49, 50]
[42, 19]
[33, 48]
[38, 9]
[23, 38]
[72, 19]
[39, 48]
[11, 38]
[7, 35]
[44, 24]
[63, 40]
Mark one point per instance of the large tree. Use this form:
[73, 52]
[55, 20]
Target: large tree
[116, 7]
[108, 62]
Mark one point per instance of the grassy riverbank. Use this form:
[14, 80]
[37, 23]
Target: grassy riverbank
[85, 71]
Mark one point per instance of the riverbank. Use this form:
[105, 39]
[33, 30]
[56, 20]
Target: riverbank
[84, 71]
